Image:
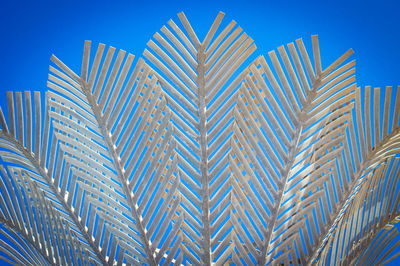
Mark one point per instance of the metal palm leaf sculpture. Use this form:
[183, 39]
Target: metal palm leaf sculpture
[201, 154]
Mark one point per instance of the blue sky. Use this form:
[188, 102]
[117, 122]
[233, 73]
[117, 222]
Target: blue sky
[32, 31]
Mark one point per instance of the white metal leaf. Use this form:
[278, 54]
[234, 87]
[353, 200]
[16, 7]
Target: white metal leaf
[201, 153]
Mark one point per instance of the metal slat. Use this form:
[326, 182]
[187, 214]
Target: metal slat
[102, 95]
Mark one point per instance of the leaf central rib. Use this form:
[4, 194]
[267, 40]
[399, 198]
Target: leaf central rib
[103, 126]
[204, 155]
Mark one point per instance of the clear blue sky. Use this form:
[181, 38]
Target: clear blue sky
[31, 31]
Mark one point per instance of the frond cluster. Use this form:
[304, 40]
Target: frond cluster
[201, 153]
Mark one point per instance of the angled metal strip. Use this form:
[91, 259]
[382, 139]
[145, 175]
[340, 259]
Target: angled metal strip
[3, 122]
[5, 201]
[183, 36]
[292, 75]
[176, 56]
[143, 102]
[248, 246]
[193, 173]
[245, 165]
[192, 211]
[211, 32]
[343, 96]
[338, 71]
[163, 226]
[141, 164]
[20, 118]
[83, 132]
[254, 131]
[191, 143]
[396, 200]
[217, 124]
[187, 89]
[290, 91]
[229, 70]
[368, 117]
[377, 110]
[387, 253]
[278, 91]
[28, 118]
[249, 131]
[260, 119]
[222, 135]
[377, 251]
[272, 101]
[359, 223]
[164, 206]
[95, 66]
[316, 55]
[189, 56]
[330, 87]
[112, 94]
[337, 63]
[374, 218]
[119, 122]
[70, 97]
[306, 60]
[14, 215]
[11, 113]
[217, 41]
[178, 71]
[218, 48]
[300, 208]
[72, 111]
[111, 115]
[381, 197]
[86, 160]
[311, 172]
[187, 193]
[152, 166]
[299, 69]
[145, 112]
[60, 103]
[189, 29]
[246, 222]
[315, 129]
[65, 79]
[396, 114]
[265, 175]
[175, 231]
[172, 252]
[387, 208]
[66, 69]
[220, 105]
[103, 73]
[152, 134]
[102, 95]
[194, 187]
[13, 253]
[360, 125]
[268, 112]
[85, 61]
[225, 56]
[222, 251]
[176, 97]
[385, 121]
[158, 176]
